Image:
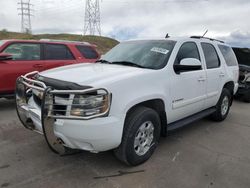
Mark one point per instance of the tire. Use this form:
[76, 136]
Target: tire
[129, 151]
[223, 106]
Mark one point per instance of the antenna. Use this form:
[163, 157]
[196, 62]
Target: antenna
[205, 33]
[25, 8]
[92, 21]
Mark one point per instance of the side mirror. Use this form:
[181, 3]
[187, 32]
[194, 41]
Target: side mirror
[188, 64]
[5, 56]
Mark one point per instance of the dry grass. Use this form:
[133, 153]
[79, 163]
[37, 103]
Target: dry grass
[103, 43]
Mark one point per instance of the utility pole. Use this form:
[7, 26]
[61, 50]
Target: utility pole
[25, 13]
[92, 21]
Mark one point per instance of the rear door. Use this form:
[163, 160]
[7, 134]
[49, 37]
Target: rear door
[26, 58]
[56, 55]
[215, 74]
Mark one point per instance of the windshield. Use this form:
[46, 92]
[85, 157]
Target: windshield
[153, 54]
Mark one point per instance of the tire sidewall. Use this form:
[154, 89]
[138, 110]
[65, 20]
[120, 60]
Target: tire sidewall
[148, 115]
[225, 93]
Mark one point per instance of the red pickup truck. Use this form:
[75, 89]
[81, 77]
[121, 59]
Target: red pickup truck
[18, 57]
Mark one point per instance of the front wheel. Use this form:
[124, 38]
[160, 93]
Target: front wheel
[140, 137]
[223, 106]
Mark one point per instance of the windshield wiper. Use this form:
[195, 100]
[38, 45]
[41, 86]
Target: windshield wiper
[103, 61]
[128, 63]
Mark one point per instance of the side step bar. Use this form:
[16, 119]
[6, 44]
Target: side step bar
[180, 123]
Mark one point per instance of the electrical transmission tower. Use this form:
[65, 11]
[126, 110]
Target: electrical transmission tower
[92, 21]
[25, 13]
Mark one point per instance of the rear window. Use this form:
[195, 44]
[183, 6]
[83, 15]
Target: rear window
[57, 52]
[87, 52]
[24, 51]
[211, 56]
[228, 55]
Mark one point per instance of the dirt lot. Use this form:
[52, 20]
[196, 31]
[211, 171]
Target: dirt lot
[204, 154]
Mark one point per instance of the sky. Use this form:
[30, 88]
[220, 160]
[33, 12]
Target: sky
[131, 19]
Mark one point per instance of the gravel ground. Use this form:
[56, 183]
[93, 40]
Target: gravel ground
[203, 154]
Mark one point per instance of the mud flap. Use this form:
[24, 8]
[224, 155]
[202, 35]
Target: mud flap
[21, 102]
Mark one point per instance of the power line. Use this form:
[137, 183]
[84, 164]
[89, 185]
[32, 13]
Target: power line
[25, 13]
[92, 21]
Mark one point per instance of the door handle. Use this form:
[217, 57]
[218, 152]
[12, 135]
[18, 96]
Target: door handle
[222, 74]
[38, 66]
[201, 79]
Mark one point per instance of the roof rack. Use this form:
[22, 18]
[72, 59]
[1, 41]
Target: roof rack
[201, 37]
[68, 41]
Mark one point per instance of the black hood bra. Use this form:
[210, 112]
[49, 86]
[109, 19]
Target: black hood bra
[60, 84]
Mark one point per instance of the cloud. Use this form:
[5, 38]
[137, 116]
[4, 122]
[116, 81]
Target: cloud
[238, 39]
[126, 19]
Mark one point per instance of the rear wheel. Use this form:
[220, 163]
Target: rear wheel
[140, 137]
[223, 106]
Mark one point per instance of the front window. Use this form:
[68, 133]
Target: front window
[187, 50]
[152, 54]
[24, 51]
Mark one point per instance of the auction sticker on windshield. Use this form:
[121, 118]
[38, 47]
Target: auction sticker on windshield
[159, 50]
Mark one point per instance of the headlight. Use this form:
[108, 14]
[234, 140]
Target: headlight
[87, 105]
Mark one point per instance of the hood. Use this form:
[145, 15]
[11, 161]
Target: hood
[93, 74]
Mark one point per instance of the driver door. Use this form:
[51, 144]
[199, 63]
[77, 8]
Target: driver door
[188, 89]
[26, 58]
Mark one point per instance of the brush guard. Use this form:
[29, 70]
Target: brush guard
[25, 86]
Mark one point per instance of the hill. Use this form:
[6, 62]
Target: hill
[103, 43]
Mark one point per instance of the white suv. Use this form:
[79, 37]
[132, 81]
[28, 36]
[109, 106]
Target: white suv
[138, 91]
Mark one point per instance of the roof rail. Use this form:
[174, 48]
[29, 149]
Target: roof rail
[68, 41]
[201, 37]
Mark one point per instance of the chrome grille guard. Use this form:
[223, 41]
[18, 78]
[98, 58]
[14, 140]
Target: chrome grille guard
[49, 96]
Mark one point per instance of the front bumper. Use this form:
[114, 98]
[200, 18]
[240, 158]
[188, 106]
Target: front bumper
[61, 131]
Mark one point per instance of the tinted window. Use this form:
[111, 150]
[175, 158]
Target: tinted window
[211, 56]
[24, 51]
[87, 52]
[187, 50]
[57, 52]
[228, 55]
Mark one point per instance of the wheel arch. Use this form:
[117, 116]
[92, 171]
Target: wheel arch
[230, 86]
[159, 106]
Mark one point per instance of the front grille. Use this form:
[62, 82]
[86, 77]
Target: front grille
[60, 104]
[59, 110]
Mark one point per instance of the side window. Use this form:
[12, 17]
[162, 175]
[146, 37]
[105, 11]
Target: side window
[211, 56]
[24, 51]
[187, 50]
[228, 55]
[87, 52]
[57, 52]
